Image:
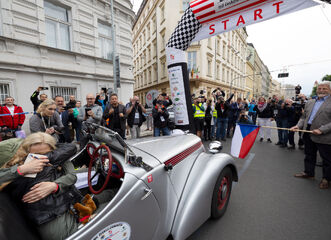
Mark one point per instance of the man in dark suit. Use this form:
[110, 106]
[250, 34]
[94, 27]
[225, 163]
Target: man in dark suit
[317, 118]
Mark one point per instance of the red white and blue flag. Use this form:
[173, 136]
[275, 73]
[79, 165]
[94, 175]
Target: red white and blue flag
[243, 139]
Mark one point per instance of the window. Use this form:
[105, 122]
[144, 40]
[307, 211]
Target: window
[155, 72]
[209, 67]
[191, 61]
[186, 4]
[57, 26]
[148, 31]
[218, 71]
[163, 41]
[154, 23]
[4, 92]
[105, 41]
[65, 92]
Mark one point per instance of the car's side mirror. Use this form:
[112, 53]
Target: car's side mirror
[215, 147]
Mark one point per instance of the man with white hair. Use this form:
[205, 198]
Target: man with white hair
[317, 118]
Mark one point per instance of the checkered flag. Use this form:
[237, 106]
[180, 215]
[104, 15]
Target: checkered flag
[184, 33]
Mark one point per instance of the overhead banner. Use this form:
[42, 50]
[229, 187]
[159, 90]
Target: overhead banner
[207, 18]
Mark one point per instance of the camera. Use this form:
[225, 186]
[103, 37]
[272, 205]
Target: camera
[87, 109]
[297, 89]
[44, 88]
[201, 92]
[163, 94]
[66, 107]
[104, 90]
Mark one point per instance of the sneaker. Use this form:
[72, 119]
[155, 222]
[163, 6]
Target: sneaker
[261, 139]
[269, 140]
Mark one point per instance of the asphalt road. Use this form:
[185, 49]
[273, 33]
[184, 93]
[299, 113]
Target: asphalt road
[268, 203]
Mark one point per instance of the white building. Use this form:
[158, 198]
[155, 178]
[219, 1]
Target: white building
[65, 45]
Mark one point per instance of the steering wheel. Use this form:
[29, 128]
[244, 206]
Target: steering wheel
[101, 162]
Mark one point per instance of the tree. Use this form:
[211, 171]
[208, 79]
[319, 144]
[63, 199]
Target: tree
[325, 78]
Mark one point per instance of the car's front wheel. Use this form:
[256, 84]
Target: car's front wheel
[221, 194]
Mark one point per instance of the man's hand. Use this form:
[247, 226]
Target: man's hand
[121, 115]
[294, 129]
[90, 113]
[39, 191]
[317, 132]
[111, 111]
[39, 89]
[34, 166]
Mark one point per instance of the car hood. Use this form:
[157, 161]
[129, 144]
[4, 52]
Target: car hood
[165, 147]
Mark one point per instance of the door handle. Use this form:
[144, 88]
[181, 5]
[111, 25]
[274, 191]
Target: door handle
[148, 192]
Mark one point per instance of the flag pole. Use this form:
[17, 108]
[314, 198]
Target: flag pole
[278, 128]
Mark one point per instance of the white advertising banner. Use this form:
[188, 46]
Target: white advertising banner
[178, 95]
[219, 16]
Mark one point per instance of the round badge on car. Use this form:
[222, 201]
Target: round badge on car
[215, 147]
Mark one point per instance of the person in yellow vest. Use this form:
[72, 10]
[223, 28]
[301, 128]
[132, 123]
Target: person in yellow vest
[199, 116]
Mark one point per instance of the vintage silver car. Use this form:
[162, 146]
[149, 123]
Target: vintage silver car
[164, 187]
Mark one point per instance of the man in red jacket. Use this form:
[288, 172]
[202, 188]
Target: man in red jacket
[12, 121]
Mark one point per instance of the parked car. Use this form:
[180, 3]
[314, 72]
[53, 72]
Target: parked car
[165, 187]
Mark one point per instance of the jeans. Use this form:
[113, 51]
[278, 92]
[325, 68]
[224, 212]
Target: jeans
[253, 116]
[135, 131]
[221, 127]
[283, 133]
[213, 127]
[165, 131]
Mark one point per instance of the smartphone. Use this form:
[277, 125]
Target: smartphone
[86, 110]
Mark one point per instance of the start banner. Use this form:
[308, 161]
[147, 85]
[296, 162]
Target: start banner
[219, 16]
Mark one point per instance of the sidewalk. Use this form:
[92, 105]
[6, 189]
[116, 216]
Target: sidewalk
[143, 132]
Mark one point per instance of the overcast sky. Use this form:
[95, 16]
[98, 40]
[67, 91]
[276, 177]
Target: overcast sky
[301, 39]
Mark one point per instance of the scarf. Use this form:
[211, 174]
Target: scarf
[261, 106]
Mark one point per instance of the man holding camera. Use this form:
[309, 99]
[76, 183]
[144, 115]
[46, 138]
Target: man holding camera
[91, 112]
[114, 116]
[34, 97]
[223, 108]
[160, 117]
[317, 118]
[199, 116]
[135, 116]
[166, 101]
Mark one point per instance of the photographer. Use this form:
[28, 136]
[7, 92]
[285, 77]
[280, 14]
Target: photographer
[284, 113]
[166, 101]
[135, 116]
[223, 108]
[34, 97]
[243, 118]
[91, 112]
[217, 93]
[299, 106]
[114, 116]
[102, 98]
[160, 117]
[199, 116]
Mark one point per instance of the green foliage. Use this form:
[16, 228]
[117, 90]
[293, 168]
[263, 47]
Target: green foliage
[327, 78]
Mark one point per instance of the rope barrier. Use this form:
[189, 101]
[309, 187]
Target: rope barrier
[9, 114]
[278, 128]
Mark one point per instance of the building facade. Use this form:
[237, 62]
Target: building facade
[215, 62]
[255, 68]
[275, 88]
[288, 91]
[65, 45]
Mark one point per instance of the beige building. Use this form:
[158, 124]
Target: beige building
[65, 45]
[254, 68]
[215, 62]
[288, 91]
[275, 88]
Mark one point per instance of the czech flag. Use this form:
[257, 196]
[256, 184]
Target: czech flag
[243, 139]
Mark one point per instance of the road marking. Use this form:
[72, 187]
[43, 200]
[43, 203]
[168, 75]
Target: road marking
[245, 167]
